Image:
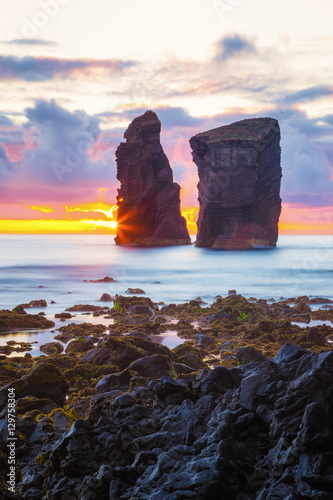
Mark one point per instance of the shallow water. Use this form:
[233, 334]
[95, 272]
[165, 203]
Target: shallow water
[300, 265]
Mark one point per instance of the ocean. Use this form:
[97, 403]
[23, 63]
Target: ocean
[299, 265]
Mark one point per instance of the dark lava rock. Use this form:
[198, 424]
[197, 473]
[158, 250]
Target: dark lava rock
[171, 392]
[29, 403]
[106, 297]
[259, 431]
[135, 291]
[148, 200]
[107, 279]
[204, 341]
[249, 355]
[63, 315]
[79, 345]
[239, 184]
[83, 330]
[52, 348]
[38, 303]
[43, 381]
[155, 366]
[117, 351]
[11, 320]
[219, 381]
[139, 335]
[19, 309]
[84, 307]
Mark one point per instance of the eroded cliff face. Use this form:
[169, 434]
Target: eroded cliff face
[148, 200]
[239, 168]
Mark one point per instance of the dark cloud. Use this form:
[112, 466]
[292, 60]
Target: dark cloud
[65, 142]
[34, 69]
[307, 95]
[31, 41]
[230, 46]
[70, 157]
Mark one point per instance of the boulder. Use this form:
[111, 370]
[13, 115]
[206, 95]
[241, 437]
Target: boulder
[116, 351]
[154, 367]
[52, 348]
[106, 297]
[148, 199]
[135, 291]
[43, 381]
[249, 355]
[239, 184]
[79, 345]
[11, 320]
[63, 315]
[205, 341]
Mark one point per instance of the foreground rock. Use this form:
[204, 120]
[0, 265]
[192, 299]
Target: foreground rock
[12, 320]
[148, 200]
[239, 184]
[234, 412]
[258, 431]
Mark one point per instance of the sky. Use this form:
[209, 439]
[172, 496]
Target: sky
[74, 74]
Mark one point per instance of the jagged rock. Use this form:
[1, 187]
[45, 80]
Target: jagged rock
[148, 200]
[239, 184]
[155, 366]
[203, 341]
[249, 355]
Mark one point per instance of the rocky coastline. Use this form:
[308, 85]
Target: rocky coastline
[242, 409]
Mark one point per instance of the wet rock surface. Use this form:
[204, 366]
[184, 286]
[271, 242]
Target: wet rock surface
[148, 200]
[242, 409]
[13, 320]
[239, 184]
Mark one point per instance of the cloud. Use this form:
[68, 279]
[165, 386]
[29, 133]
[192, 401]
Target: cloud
[31, 41]
[230, 46]
[39, 69]
[67, 157]
[170, 116]
[5, 121]
[59, 161]
[308, 95]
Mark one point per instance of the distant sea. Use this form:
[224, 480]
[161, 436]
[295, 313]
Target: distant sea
[54, 268]
[299, 265]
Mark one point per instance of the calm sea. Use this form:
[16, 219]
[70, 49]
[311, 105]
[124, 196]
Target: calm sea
[54, 268]
[300, 265]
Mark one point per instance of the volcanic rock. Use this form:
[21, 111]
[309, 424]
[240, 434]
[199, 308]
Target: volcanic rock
[52, 348]
[239, 184]
[43, 381]
[148, 200]
[13, 320]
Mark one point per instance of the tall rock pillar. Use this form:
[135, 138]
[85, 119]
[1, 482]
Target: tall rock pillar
[148, 199]
[239, 168]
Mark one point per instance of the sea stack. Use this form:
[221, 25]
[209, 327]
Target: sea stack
[148, 199]
[239, 168]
